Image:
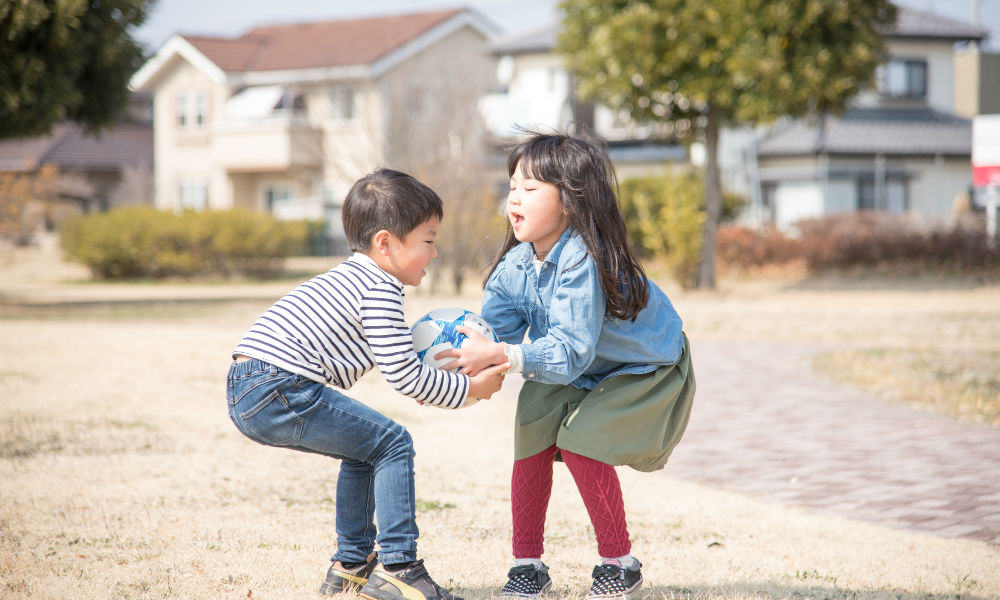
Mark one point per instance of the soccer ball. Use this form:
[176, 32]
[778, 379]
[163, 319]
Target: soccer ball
[435, 332]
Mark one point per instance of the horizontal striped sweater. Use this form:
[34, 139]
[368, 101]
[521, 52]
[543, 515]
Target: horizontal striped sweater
[338, 325]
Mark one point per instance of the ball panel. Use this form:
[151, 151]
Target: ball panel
[435, 332]
[425, 332]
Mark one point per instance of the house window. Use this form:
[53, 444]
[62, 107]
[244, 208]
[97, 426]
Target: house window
[417, 100]
[901, 78]
[192, 110]
[275, 194]
[194, 193]
[341, 103]
[891, 199]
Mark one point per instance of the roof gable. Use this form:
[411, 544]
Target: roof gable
[333, 43]
[322, 48]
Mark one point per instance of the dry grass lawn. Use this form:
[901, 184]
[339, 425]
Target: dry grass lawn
[122, 477]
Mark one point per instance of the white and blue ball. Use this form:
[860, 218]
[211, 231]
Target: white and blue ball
[435, 332]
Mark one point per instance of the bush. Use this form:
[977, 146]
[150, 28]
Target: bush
[872, 239]
[143, 242]
[744, 248]
[866, 240]
[664, 217]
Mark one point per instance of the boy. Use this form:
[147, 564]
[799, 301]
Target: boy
[331, 330]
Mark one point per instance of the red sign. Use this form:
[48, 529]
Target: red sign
[985, 176]
[986, 150]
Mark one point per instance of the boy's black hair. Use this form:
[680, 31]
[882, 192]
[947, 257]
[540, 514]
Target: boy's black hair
[390, 200]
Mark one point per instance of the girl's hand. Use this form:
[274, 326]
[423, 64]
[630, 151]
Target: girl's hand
[487, 382]
[476, 353]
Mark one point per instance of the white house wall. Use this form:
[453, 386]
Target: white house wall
[537, 96]
[840, 196]
[940, 75]
[937, 186]
[794, 201]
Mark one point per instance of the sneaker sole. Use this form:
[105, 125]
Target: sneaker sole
[624, 594]
[411, 593]
[545, 588]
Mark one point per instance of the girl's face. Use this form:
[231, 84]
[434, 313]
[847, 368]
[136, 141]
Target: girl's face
[535, 212]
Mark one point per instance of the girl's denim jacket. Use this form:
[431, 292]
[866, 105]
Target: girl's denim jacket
[562, 310]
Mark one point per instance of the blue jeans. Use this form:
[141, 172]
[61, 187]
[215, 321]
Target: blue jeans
[276, 408]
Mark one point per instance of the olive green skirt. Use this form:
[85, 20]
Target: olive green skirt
[631, 420]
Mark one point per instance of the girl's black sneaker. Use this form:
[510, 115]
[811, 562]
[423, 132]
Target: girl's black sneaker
[527, 581]
[612, 581]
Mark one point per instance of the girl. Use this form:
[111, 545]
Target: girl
[607, 369]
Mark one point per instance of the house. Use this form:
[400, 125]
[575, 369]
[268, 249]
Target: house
[534, 90]
[977, 82]
[285, 118]
[93, 171]
[899, 148]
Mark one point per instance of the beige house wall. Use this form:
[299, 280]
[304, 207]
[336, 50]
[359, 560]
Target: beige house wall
[350, 148]
[181, 154]
[411, 116]
[967, 83]
[432, 101]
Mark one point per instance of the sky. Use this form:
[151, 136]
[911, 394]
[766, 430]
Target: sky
[231, 18]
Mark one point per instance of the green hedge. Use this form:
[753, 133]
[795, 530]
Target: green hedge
[144, 242]
[665, 217]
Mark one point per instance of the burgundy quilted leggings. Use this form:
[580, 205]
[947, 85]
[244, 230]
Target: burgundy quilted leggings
[531, 488]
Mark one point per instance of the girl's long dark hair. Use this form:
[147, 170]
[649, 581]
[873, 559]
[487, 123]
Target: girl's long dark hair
[588, 190]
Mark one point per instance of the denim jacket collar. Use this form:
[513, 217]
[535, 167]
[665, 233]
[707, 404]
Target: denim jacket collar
[525, 252]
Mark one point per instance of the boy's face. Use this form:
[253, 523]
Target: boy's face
[406, 258]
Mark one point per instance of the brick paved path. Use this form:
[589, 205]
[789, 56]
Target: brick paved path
[765, 424]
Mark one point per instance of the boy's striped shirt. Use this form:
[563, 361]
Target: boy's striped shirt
[338, 325]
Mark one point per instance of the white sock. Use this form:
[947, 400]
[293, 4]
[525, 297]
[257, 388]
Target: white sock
[520, 562]
[626, 562]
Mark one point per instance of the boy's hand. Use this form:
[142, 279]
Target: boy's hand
[488, 381]
[476, 353]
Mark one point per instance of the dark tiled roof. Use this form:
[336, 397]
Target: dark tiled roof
[912, 23]
[69, 148]
[311, 45]
[18, 154]
[539, 40]
[921, 132]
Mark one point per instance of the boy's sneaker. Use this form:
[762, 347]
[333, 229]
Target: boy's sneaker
[411, 583]
[340, 579]
[527, 581]
[612, 581]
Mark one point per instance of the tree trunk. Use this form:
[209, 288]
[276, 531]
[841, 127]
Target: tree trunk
[713, 202]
